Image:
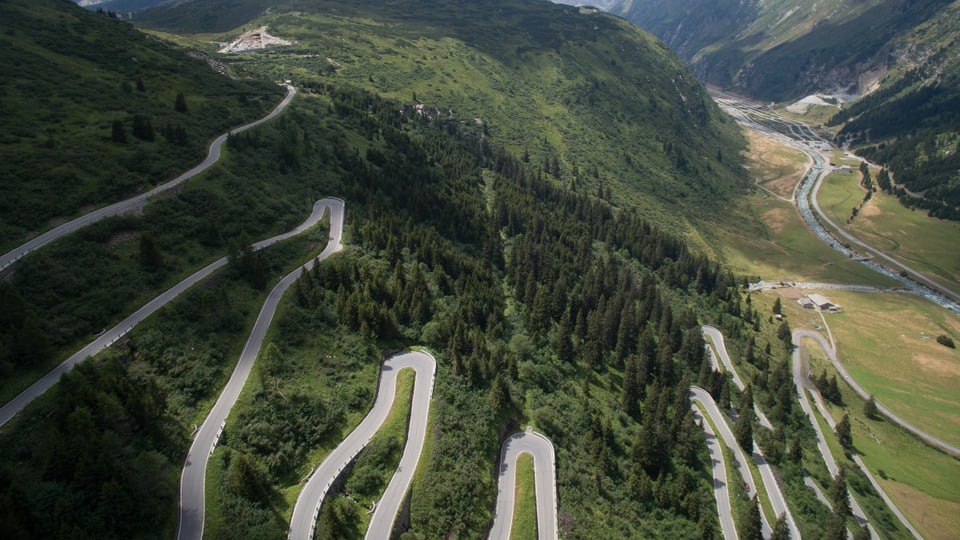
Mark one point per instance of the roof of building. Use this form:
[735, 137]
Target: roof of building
[820, 300]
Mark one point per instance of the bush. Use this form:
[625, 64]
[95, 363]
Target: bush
[946, 341]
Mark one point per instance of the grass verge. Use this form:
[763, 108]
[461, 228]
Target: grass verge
[918, 478]
[525, 512]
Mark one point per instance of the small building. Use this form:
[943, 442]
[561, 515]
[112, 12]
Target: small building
[818, 301]
[821, 301]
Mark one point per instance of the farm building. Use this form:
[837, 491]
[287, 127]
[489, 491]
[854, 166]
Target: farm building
[818, 301]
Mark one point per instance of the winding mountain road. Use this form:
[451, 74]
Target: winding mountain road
[213, 155]
[770, 483]
[544, 467]
[194, 470]
[720, 482]
[109, 337]
[704, 398]
[308, 503]
[802, 383]
[923, 435]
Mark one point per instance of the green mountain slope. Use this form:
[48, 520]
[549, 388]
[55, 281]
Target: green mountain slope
[784, 49]
[912, 124]
[69, 76]
[902, 55]
[599, 105]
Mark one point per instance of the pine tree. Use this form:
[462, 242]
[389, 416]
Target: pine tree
[781, 531]
[117, 132]
[630, 393]
[743, 429]
[750, 526]
[150, 256]
[843, 432]
[180, 103]
[870, 409]
[838, 494]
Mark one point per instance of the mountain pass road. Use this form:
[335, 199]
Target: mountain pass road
[544, 470]
[307, 507]
[194, 470]
[14, 406]
[213, 155]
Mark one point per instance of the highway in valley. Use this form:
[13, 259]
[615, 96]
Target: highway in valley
[192, 491]
[138, 201]
[109, 337]
[317, 487]
[802, 137]
[544, 467]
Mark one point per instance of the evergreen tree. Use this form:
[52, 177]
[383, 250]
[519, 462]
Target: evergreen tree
[180, 103]
[870, 409]
[630, 391]
[838, 494]
[745, 403]
[843, 432]
[862, 533]
[777, 307]
[750, 526]
[743, 429]
[781, 530]
[117, 132]
[150, 256]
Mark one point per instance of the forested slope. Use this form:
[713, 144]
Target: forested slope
[912, 123]
[598, 105]
[93, 110]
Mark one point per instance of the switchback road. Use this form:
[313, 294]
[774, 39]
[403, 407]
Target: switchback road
[544, 467]
[802, 382]
[14, 406]
[213, 155]
[307, 507]
[720, 482]
[704, 398]
[770, 483]
[194, 470]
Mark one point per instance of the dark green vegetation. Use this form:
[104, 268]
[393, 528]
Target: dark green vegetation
[99, 455]
[543, 302]
[912, 125]
[88, 112]
[782, 50]
[596, 104]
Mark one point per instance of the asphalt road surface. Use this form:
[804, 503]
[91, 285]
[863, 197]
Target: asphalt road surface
[774, 494]
[213, 155]
[308, 503]
[802, 383]
[720, 491]
[194, 470]
[544, 467]
[14, 406]
[705, 399]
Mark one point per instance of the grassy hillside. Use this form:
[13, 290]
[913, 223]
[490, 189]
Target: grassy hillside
[912, 124]
[596, 104]
[784, 49]
[75, 85]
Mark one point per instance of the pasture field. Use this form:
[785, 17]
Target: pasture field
[926, 244]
